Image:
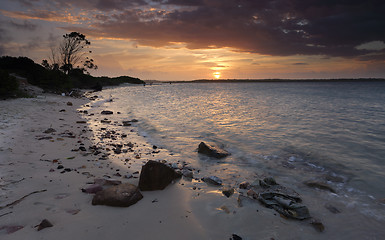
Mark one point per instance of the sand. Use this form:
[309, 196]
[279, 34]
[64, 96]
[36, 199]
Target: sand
[186, 209]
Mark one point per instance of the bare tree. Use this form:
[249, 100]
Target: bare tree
[71, 51]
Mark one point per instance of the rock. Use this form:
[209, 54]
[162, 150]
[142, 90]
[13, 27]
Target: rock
[235, 237]
[228, 191]
[123, 195]
[319, 185]
[82, 121]
[213, 180]
[252, 193]
[49, 130]
[60, 167]
[283, 200]
[94, 188]
[317, 225]
[134, 120]
[267, 182]
[107, 112]
[105, 121]
[126, 123]
[62, 110]
[212, 151]
[156, 176]
[187, 174]
[44, 224]
[69, 104]
[82, 148]
[331, 208]
[244, 185]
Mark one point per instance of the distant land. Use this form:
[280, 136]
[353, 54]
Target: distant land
[269, 80]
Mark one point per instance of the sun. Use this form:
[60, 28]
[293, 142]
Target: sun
[217, 75]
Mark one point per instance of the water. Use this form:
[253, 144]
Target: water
[329, 131]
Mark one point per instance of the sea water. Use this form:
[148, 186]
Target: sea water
[332, 132]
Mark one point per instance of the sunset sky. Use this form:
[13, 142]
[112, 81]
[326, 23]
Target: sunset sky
[195, 39]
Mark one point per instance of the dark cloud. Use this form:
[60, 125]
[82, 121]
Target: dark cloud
[26, 25]
[278, 28]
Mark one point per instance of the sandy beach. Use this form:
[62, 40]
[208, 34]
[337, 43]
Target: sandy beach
[46, 161]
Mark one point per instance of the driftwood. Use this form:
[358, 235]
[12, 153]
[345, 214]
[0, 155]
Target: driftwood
[21, 199]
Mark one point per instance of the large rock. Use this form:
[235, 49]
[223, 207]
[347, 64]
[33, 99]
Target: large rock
[123, 195]
[156, 176]
[212, 151]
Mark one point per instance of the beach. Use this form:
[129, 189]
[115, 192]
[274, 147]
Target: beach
[47, 156]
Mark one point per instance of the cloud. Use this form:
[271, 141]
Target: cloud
[275, 28]
[26, 25]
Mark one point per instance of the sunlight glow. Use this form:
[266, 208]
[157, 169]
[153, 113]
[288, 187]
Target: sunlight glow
[217, 75]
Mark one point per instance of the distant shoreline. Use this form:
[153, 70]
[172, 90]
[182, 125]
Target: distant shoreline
[271, 80]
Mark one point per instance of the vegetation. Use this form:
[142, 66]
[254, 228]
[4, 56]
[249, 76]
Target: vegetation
[8, 85]
[71, 51]
[54, 80]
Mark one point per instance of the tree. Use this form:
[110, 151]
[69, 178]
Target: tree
[71, 51]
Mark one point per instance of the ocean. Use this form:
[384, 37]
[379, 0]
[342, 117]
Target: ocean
[333, 132]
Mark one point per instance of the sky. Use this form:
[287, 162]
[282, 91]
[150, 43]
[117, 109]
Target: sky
[206, 39]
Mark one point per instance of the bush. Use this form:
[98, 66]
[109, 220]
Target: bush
[8, 85]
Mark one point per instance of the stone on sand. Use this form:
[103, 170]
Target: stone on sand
[123, 195]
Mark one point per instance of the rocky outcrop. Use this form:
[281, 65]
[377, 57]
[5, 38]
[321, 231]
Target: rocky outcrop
[283, 200]
[212, 151]
[123, 195]
[156, 176]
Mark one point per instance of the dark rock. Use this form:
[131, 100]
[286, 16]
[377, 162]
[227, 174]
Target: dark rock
[82, 148]
[105, 121]
[134, 120]
[62, 110]
[267, 182]
[213, 180]
[317, 225]
[187, 174]
[123, 195]
[126, 123]
[49, 130]
[331, 208]
[228, 191]
[94, 188]
[82, 121]
[106, 112]
[212, 151]
[69, 104]
[319, 185]
[44, 224]
[235, 237]
[60, 167]
[244, 185]
[283, 200]
[156, 176]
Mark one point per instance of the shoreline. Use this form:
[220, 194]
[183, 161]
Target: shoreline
[34, 188]
[187, 208]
